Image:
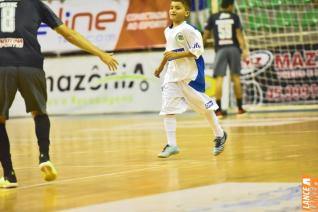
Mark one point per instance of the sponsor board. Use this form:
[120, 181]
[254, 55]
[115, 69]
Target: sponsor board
[84, 85]
[281, 76]
[111, 25]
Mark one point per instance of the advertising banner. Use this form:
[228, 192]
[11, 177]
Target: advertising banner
[288, 75]
[84, 85]
[109, 24]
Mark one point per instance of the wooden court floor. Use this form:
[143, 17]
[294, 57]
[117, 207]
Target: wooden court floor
[102, 159]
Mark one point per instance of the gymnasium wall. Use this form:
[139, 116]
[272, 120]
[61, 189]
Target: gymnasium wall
[84, 85]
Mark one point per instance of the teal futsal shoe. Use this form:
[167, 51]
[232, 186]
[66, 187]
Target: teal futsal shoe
[168, 151]
[219, 143]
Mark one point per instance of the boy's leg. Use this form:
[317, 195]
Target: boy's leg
[220, 134]
[204, 105]
[8, 89]
[238, 92]
[170, 125]
[9, 180]
[172, 103]
[32, 86]
[42, 131]
[235, 67]
[218, 93]
[214, 123]
[220, 66]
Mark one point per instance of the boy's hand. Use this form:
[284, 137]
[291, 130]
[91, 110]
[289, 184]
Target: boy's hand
[109, 61]
[170, 55]
[245, 54]
[157, 72]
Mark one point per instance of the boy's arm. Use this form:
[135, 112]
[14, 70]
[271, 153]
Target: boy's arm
[160, 68]
[206, 36]
[171, 55]
[243, 44]
[81, 42]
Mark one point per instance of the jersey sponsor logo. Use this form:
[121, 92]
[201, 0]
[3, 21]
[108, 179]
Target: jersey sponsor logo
[196, 46]
[86, 20]
[11, 43]
[180, 38]
[209, 104]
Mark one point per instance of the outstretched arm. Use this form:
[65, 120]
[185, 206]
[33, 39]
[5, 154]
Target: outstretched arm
[81, 42]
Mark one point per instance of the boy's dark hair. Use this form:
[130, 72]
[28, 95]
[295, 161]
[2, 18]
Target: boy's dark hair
[226, 3]
[186, 3]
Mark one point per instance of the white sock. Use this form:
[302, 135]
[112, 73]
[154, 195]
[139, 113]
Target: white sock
[214, 123]
[170, 124]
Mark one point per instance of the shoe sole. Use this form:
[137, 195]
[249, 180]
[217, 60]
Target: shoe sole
[11, 185]
[162, 156]
[48, 172]
[241, 114]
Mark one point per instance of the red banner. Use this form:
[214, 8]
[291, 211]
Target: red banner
[144, 25]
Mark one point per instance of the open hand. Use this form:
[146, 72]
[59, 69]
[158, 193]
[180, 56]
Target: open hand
[245, 54]
[157, 72]
[109, 60]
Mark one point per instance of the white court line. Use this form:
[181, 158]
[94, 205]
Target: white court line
[203, 123]
[89, 177]
[98, 137]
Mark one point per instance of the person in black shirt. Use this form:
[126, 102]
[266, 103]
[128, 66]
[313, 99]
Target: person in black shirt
[21, 69]
[230, 46]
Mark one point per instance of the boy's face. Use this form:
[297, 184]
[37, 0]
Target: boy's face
[178, 12]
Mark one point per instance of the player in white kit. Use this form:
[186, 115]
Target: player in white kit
[184, 83]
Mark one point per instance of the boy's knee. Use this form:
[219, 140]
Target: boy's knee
[235, 77]
[2, 119]
[37, 113]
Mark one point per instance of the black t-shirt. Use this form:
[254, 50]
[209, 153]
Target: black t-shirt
[20, 21]
[224, 25]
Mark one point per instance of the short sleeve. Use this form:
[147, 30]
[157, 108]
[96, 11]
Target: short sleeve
[210, 23]
[194, 41]
[48, 16]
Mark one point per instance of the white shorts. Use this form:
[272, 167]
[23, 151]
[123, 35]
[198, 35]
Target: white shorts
[178, 96]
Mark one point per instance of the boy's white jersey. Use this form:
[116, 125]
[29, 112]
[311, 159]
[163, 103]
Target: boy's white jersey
[183, 37]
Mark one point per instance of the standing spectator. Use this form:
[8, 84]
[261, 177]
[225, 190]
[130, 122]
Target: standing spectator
[230, 47]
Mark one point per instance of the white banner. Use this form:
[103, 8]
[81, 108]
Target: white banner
[84, 85]
[99, 21]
